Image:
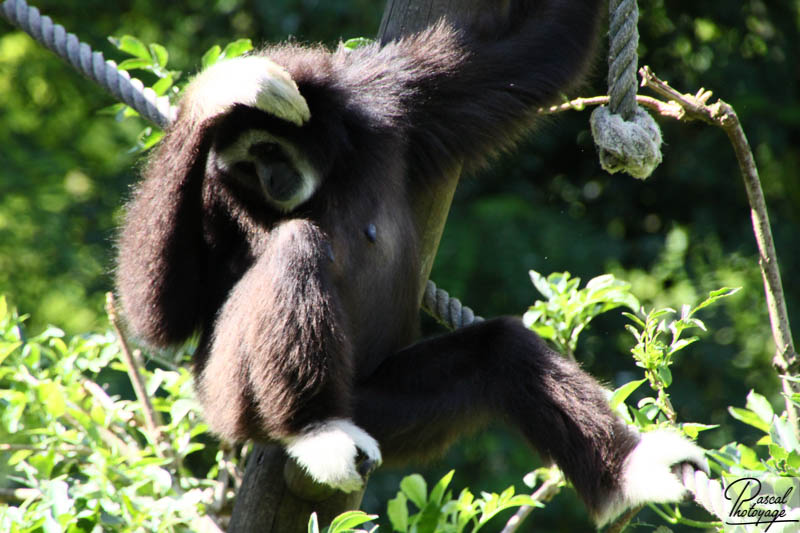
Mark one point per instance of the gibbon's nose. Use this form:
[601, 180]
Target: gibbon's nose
[279, 181]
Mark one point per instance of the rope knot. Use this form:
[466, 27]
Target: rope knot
[633, 146]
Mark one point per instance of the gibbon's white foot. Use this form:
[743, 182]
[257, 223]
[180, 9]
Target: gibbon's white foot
[647, 475]
[336, 452]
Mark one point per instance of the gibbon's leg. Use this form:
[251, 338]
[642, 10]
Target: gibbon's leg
[278, 367]
[422, 398]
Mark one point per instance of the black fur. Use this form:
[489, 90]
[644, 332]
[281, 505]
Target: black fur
[309, 315]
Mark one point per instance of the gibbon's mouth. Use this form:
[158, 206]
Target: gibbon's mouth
[279, 181]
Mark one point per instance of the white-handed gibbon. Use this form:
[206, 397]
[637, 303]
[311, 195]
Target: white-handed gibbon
[277, 218]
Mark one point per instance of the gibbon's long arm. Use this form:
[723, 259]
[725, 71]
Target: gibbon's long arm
[161, 267]
[465, 94]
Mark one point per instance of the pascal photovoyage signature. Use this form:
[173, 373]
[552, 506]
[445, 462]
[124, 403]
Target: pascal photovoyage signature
[750, 507]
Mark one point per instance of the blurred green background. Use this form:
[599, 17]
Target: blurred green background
[66, 169]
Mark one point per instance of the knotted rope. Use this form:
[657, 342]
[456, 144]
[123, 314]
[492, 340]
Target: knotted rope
[626, 136]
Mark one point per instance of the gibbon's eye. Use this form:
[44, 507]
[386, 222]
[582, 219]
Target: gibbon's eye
[266, 151]
[244, 168]
[274, 168]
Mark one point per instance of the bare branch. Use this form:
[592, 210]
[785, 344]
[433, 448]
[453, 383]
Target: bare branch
[546, 491]
[667, 109]
[722, 115]
[152, 418]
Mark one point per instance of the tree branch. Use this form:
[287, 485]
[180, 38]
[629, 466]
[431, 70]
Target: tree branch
[546, 491]
[152, 418]
[722, 115]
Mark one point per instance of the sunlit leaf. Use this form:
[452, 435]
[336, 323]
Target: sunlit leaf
[237, 48]
[131, 45]
[159, 55]
[357, 42]
[397, 509]
[748, 417]
[760, 406]
[348, 520]
[621, 394]
[211, 56]
[415, 489]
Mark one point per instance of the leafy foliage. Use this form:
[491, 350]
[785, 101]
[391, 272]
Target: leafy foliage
[567, 311]
[76, 456]
[439, 512]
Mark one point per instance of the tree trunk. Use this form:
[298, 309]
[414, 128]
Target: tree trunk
[276, 496]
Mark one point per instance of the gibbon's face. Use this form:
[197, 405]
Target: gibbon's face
[253, 159]
[264, 164]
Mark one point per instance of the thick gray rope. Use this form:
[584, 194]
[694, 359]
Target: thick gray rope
[446, 310]
[93, 65]
[708, 493]
[626, 136]
[622, 57]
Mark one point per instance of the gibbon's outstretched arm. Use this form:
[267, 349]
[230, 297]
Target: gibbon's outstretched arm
[424, 397]
[466, 93]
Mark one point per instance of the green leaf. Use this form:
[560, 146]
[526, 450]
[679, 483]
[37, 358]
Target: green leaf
[397, 509]
[713, 296]
[635, 319]
[640, 416]
[665, 375]
[749, 458]
[180, 408]
[766, 440]
[693, 429]
[604, 280]
[347, 521]
[19, 456]
[428, 519]
[783, 434]
[621, 394]
[760, 406]
[748, 417]
[416, 489]
[237, 48]
[162, 86]
[545, 331]
[793, 460]
[437, 493]
[211, 56]
[52, 397]
[541, 284]
[357, 42]
[134, 63]
[159, 55]
[313, 523]
[7, 349]
[523, 499]
[681, 344]
[530, 317]
[131, 45]
[650, 412]
[777, 452]
[149, 138]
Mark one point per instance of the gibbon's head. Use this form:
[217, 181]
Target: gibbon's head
[251, 157]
